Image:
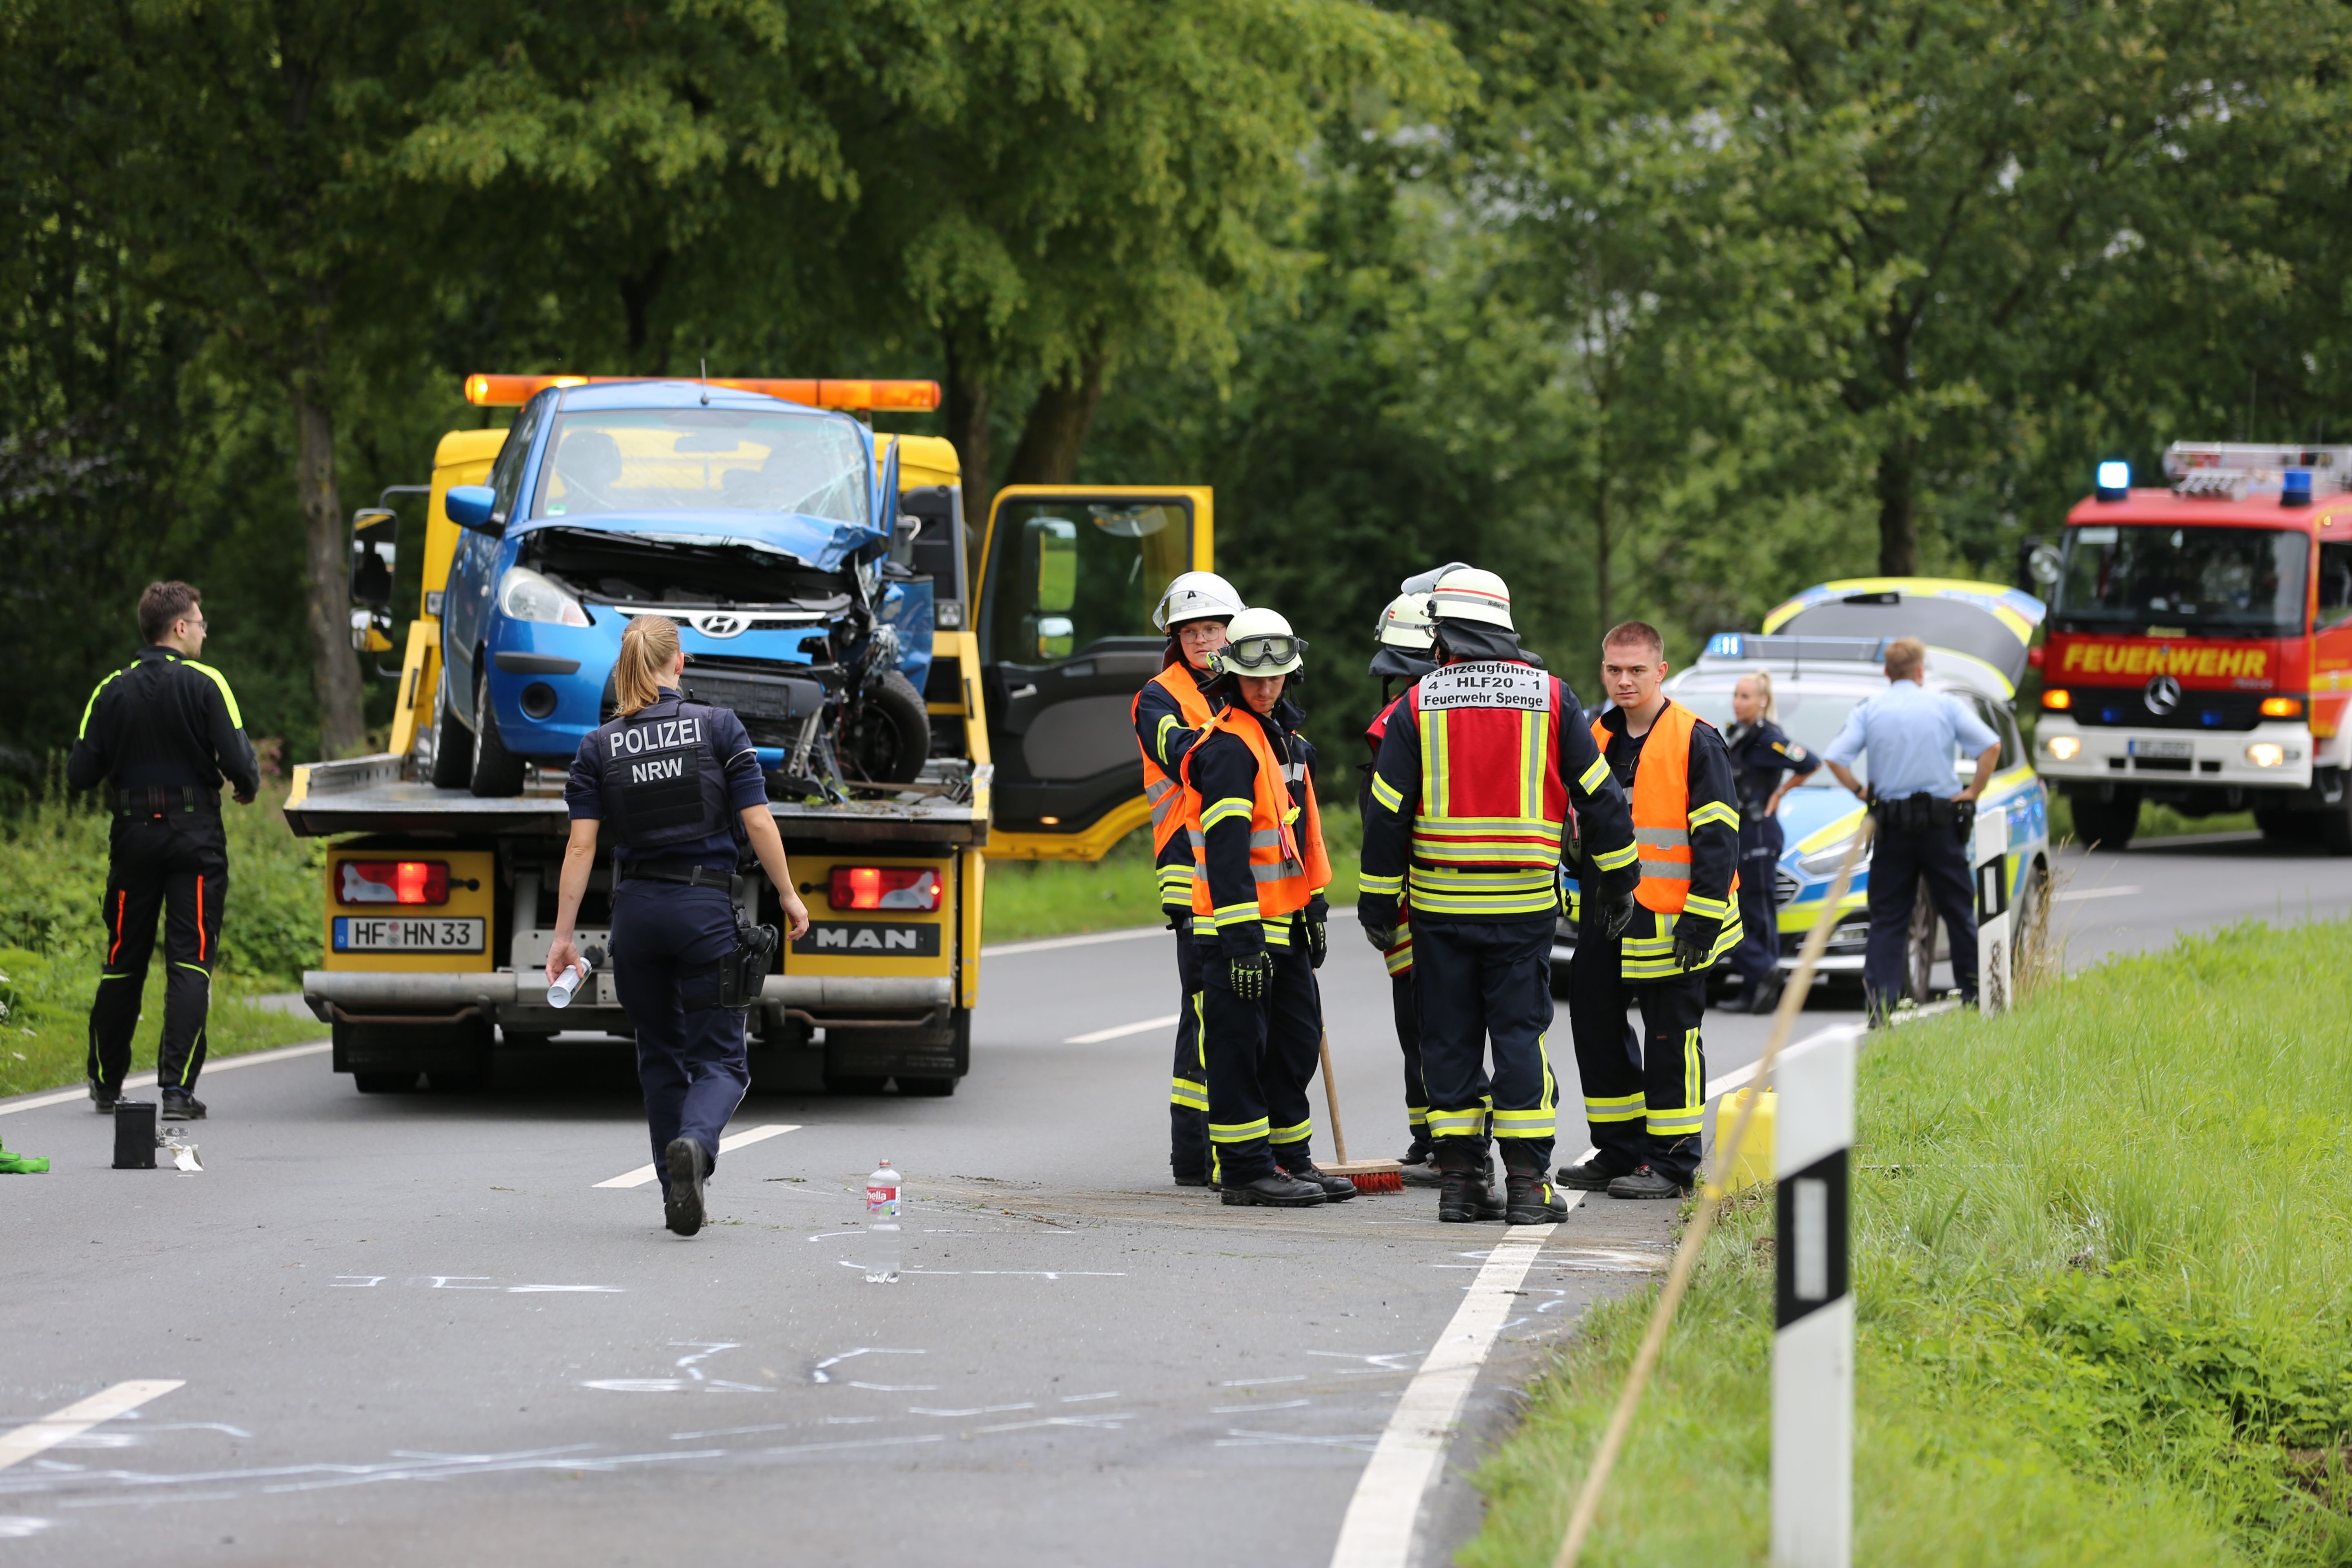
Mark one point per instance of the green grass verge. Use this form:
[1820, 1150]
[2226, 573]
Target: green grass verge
[52, 932]
[2154, 820]
[2103, 1266]
[1028, 899]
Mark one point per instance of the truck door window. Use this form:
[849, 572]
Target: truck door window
[1074, 573]
[2334, 584]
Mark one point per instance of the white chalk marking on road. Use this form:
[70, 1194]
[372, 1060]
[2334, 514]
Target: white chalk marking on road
[1047, 944]
[1378, 1530]
[358, 1281]
[975, 1410]
[817, 1372]
[636, 1385]
[37, 1436]
[1242, 1437]
[2075, 895]
[1104, 1423]
[1082, 1398]
[147, 1079]
[643, 1173]
[1254, 1409]
[564, 1290]
[20, 1526]
[1262, 1382]
[1145, 1027]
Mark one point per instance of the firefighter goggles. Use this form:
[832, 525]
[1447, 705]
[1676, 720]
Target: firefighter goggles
[1263, 652]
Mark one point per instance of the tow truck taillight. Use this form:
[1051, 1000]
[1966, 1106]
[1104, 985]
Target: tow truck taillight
[393, 882]
[885, 887]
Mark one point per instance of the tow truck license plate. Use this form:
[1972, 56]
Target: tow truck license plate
[387, 933]
[2174, 751]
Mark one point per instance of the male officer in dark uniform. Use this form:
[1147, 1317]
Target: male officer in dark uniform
[161, 733]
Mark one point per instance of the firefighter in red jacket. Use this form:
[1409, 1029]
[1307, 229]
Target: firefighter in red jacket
[1407, 652]
[1168, 714]
[1258, 920]
[1471, 797]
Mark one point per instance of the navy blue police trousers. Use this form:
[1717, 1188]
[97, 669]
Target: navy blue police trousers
[690, 1051]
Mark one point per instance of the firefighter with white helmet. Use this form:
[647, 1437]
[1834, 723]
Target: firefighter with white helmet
[1168, 714]
[1470, 801]
[1258, 918]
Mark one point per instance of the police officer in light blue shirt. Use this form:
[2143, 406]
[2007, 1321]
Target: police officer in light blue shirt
[1924, 817]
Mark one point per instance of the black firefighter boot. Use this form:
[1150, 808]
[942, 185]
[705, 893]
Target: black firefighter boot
[1531, 1198]
[1462, 1188]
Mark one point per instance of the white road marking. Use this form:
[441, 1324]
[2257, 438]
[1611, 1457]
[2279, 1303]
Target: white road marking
[643, 1173]
[2074, 894]
[1378, 1530]
[1047, 944]
[75, 1419]
[1145, 1027]
[147, 1079]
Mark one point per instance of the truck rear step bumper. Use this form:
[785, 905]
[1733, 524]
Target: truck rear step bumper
[368, 992]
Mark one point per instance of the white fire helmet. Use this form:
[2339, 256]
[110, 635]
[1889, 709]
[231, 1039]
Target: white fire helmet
[1467, 594]
[1196, 596]
[1261, 643]
[1406, 623]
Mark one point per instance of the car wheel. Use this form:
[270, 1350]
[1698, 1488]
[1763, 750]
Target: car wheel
[453, 743]
[1919, 950]
[2279, 825]
[888, 736]
[498, 772]
[2106, 823]
[858, 1083]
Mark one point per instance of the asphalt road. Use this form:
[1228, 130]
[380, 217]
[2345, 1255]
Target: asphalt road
[414, 1329]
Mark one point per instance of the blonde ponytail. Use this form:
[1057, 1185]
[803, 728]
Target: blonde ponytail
[1763, 679]
[648, 650]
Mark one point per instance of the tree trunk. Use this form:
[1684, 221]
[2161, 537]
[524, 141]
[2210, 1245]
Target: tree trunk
[637, 293]
[327, 563]
[1898, 527]
[1603, 587]
[968, 430]
[1056, 431]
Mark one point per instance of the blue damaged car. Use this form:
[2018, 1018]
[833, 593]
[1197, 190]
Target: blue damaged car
[763, 528]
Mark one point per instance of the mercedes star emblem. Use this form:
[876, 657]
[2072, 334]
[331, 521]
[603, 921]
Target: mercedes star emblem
[2163, 694]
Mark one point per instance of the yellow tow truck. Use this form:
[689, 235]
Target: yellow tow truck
[1027, 639]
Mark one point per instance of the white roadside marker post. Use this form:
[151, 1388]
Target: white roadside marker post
[1990, 858]
[1813, 1352]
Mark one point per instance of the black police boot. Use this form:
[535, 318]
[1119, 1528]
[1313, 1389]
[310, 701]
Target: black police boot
[1531, 1199]
[1768, 993]
[179, 1105]
[1277, 1189]
[1420, 1164]
[1336, 1189]
[1462, 1189]
[1647, 1182]
[689, 1167]
[1590, 1174]
[103, 1097]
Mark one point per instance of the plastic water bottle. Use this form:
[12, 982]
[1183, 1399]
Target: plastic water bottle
[882, 1246]
[561, 994]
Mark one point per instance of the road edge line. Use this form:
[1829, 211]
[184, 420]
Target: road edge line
[1085, 938]
[1377, 1532]
[147, 1079]
[39, 1437]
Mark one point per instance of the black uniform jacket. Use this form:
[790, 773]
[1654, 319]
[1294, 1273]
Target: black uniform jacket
[1714, 846]
[1760, 754]
[1223, 768]
[1604, 815]
[165, 721]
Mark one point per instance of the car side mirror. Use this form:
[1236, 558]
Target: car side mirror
[470, 506]
[1054, 556]
[374, 543]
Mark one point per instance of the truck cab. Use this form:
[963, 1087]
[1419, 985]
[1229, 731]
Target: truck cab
[925, 697]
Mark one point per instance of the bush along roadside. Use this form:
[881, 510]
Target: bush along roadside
[2102, 1252]
[52, 936]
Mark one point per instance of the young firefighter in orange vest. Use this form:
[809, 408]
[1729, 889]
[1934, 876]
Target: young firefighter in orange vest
[1407, 652]
[1644, 1098]
[1169, 713]
[1258, 876]
[1470, 800]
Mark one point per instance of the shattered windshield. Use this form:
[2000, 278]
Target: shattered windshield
[703, 460]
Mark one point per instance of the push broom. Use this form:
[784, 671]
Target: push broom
[1369, 1175]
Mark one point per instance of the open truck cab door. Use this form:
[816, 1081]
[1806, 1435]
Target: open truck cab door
[1066, 581]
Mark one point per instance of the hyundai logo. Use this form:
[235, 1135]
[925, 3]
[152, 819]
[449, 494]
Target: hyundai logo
[2163, 694]
[721, 625]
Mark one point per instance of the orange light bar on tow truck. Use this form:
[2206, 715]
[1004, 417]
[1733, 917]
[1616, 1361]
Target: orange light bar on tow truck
[896, 396]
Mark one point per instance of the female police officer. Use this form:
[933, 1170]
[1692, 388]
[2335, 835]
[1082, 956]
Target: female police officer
[1766, 764]
[681, 786]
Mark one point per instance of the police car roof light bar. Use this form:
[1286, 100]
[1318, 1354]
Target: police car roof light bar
[486, 391]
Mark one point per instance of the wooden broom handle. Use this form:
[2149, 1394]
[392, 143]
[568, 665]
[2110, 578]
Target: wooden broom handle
[1331, 1097]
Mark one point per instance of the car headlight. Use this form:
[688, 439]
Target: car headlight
[526, 596]
[1825, 861]
[2064, 748]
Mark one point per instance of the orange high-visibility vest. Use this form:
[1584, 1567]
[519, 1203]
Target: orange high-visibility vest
[1167, 795]
[1662, 809]
[1286, 857]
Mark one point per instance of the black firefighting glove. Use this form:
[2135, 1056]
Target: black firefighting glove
[1252, 975]
[1617, 914]
[1694, 940]
[1377, 911]
[1319, 939]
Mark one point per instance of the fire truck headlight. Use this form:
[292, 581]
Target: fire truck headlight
[2266, 754]
[2064, 748]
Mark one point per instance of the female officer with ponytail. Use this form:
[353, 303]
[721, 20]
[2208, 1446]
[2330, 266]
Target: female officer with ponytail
[680, 786]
